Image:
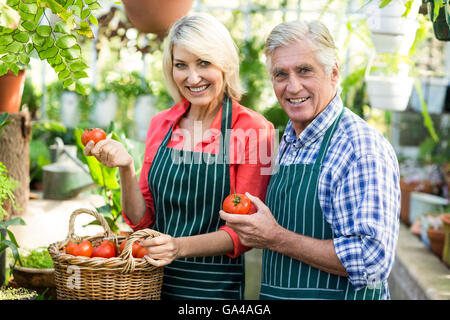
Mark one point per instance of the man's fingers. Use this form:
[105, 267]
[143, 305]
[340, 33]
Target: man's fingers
[256, 201]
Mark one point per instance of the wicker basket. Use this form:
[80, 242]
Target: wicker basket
[118, 278]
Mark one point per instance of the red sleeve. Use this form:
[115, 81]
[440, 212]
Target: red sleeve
[251, 172]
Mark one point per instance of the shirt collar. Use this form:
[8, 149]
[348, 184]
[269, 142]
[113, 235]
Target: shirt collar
[317, 127]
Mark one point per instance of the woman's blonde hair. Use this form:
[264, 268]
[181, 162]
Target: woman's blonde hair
[315, 33]
[207, 38]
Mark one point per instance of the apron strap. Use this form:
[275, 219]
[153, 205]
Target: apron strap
[326, 141]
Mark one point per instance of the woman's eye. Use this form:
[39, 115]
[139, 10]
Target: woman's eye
[204, 63]
[179, 65]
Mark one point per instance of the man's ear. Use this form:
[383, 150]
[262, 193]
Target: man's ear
[335, 74]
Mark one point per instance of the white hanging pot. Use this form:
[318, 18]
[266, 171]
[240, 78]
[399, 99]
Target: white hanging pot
[388, 92]
[144, 110]
[390, 31]
[105, 109]
[434, 91]
[69, 113]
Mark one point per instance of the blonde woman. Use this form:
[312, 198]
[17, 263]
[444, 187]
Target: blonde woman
[197, 152]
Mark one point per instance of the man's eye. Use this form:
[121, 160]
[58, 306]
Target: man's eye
[279, 75]
[304, 70]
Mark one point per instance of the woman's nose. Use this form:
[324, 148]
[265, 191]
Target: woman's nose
[193, 76]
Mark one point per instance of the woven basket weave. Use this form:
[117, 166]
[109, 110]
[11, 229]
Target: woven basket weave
[118, 278]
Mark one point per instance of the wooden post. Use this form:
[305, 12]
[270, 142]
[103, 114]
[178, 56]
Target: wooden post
[15, 155]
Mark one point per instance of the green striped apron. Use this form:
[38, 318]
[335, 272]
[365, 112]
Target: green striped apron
[292, 197]
[188, 189]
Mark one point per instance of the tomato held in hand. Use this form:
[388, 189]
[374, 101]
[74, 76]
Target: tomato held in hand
[237, 203]
[104, 249]
[95, 134]
[83, 248]
[137, 251]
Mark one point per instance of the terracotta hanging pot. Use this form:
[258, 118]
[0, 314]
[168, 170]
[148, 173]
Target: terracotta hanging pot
[155, 16]
[11, 90]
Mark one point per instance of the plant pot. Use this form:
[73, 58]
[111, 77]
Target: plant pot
[441, 28]
[389, 93]
[11, 90]
[446, 251]
[34, 278]
[422, 203]
[436, 237]
[427, 221]
[434, 91]
[390, 31]
[155, 16]
[406, 187]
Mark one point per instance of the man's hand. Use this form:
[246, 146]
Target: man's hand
[257, 230]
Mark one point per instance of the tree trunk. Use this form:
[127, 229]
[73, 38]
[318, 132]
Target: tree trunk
[15, 155]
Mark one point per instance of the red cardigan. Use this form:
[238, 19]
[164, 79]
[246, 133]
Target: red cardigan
[249, 172]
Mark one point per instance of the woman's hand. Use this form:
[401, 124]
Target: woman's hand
[109, 152]
[161, 250]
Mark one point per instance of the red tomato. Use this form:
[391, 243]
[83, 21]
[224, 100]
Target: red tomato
[104, 249]
[83, 248]
[95, 134]
[237, 203]
[137, 251]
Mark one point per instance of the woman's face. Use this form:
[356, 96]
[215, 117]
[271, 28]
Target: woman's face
[199, 81]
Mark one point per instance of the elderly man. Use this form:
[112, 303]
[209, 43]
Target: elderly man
[329, 226]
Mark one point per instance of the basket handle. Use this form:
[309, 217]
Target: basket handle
[127, 250]
[93, 213]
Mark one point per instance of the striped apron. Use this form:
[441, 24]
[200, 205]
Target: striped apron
[292, 197]
[188, 189]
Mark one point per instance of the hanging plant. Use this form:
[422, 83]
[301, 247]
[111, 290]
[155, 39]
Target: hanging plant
[49, 29]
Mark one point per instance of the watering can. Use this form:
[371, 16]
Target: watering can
[66, 176]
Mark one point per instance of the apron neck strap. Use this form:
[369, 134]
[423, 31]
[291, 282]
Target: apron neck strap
[326, 140]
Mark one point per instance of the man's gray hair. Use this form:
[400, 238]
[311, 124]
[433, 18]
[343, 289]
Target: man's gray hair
[315, 33]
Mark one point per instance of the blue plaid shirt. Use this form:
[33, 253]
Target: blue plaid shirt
[359, 191]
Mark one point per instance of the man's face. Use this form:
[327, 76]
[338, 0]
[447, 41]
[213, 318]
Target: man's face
[301, 84]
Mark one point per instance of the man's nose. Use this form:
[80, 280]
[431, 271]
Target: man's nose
[294, 84]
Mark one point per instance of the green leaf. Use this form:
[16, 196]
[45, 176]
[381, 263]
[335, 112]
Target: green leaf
[48, 53]
[71, 53]
[85, 30]
[30, 8]
[66, 42]
[29, 47]
[24, 58]
[44, 31]
[80, 74]
[93, 20]
[9, 58]
[55, 60]
[15, 222]
[3, 68]
[15, 47]
[62, 27]
[28, 25]
[38, 40]
[5, 40]
[60, 67]
[67, 82]
[85, 13]
[80, 88]
[94, 6]
[78, 66]
[21, 36]
[64, 74]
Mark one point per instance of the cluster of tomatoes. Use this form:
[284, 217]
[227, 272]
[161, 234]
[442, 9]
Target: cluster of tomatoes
[105, 248]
